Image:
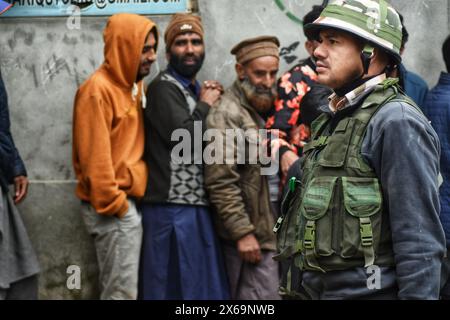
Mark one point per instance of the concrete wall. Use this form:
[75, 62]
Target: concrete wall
[43, 63]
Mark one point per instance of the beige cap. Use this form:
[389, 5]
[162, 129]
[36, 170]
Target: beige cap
[253, 48]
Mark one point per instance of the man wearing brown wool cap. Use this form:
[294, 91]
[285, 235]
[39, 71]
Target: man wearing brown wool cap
[181, 256]
[240, 192]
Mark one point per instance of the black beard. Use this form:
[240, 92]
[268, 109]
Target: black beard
[177, 63]
[260, 99]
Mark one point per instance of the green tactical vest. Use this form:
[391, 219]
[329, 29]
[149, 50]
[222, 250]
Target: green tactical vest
[334, 219]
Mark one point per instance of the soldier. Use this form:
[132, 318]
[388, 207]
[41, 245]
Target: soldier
[368, 202]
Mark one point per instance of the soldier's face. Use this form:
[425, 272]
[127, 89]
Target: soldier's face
[338, 58]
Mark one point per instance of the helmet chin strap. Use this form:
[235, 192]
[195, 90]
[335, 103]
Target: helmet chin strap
[366, 57]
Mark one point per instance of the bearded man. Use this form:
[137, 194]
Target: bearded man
[239, 191]
[181, 257]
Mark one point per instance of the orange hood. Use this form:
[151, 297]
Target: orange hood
[124, 38]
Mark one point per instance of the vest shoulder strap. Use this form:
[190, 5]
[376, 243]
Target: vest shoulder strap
[385, 92]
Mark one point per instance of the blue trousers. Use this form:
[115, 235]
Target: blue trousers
[181, 257]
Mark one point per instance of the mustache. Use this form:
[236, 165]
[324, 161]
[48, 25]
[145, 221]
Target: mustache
[264, 91]
[190, 56]
[178, 62]
[253, 90]
[260, 98]
[322, 64]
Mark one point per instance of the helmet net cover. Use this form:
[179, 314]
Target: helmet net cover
[376, 22]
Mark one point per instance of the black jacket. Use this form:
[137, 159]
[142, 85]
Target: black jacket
[167, 110]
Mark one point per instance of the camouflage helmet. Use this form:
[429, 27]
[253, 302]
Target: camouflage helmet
[374, 21]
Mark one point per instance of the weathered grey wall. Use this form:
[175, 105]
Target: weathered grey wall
[229, 21]
[43, 63]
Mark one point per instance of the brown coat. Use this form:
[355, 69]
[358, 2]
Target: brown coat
[238, 192]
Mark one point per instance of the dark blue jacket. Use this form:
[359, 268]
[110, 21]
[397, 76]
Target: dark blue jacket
[437, 109]
[6, 154]
[414, 86]
[11, 165]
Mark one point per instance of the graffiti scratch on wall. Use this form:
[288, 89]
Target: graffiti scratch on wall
[54, 66]
[287, 52]
[60, 64]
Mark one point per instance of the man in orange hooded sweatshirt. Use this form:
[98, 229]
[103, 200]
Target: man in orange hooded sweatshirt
[108, 146]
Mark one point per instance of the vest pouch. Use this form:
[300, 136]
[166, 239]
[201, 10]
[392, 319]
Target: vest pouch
[316, 211]
[286, 227]
[288, 246]
[335, 152]
[361, 218]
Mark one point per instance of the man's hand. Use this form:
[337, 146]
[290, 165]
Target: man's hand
[213, 84]
[20, 188]
[289, 157]
[249, 249]
[211, 92]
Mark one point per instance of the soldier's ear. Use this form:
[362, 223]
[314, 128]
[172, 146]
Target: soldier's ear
[381, 56]
[240, 71]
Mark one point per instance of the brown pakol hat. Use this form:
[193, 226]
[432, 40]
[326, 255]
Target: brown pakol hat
[182, 23]
[253, 48]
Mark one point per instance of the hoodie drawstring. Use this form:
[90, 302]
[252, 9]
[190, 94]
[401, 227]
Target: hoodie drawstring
[134, 93]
